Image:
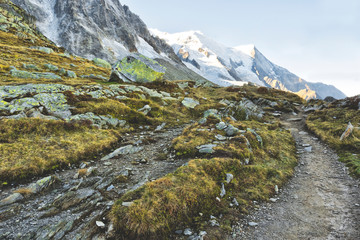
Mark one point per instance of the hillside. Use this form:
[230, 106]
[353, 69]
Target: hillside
[91, 150]
[236, 65]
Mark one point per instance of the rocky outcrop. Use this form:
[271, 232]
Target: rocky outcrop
[91, 29]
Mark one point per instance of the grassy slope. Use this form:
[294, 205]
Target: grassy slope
[329, 124]
[176, 200]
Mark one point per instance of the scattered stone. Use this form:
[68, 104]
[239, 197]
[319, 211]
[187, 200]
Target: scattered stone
[308, 149]
[15, 197]
[160, 127]
[214, 223]
[294, 119]
[100, 224]
[347, 132]
[145, 110]
[223, 191]
[107, 163]
[221, 126]
[207, 149]
[220, 137]
[276, 189]
[127, 204]
[253, 224]
[128, 149]
[190, 103]
[229, 177]
[273, 199]
[179, 232]
[235, 202]
[231, 130]
[188, 232]
[111, 187]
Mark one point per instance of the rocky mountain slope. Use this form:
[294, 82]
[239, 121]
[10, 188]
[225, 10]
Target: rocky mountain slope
[235, 65]
[105, 30]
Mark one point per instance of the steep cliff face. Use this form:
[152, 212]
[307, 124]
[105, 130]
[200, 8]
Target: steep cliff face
[237, 65]
[101, 28]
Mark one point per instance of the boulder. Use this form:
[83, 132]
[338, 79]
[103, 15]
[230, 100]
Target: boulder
[207, 149]
[137, 68]
[128, 149]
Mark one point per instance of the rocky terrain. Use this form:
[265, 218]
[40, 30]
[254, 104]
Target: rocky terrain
[91, 150]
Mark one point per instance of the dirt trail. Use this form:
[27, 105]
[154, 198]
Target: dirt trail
[321, 201]
[70, 208]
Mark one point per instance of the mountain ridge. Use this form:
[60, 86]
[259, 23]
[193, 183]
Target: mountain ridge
[236, 65]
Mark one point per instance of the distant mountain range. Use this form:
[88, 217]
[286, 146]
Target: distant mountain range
[236, 65]
[109, 30]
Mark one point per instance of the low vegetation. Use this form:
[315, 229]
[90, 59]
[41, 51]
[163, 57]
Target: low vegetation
[191, 194]
[329, 124]
[31, 147]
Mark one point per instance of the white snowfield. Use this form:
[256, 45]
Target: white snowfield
[215, 60]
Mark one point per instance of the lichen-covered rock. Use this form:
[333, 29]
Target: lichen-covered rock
[22, 90]
[23, 74]
[251, 109]
[55, 104]
[100, 121]
[190, 103]
[51, 67]
[70, 74]
[15, 197]
[231, 130]
[137, 68]
[30, 67]
[101, 63]
[43, 49]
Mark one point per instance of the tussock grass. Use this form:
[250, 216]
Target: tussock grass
[30, 147]
[329, 124]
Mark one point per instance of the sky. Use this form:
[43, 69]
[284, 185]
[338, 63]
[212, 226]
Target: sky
[318, 40]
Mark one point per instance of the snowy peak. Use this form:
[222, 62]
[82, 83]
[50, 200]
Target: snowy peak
[238, 65]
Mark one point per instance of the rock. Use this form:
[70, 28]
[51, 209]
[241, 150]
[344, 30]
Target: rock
[212, 113]
[223, 191]
[145, 110]
[23, 74]
[137, 68]
[151, 92]
[235, 202]
[276, 188]
[214, 223]
[51, 67]
[15, 197]
[202, 121]
[308, 149]
[250, 108]
[294, 119]
[253, 224]
[347, 132]
[273, 199]
[220, 137]
[178, 232]
[258, 137]
[188, 232]
[190, 103]
[100, 224]
[100, 121]
[128, 149]
[42, 184]
[127, 204]
[207, 149]
[229, 177]
[221, 126]
[231, 130]
[101, 63]
[44, 49]
[71, 74]
[90, 171]
[160, 127]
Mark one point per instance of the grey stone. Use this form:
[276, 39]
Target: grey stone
[190, 103]
[100, 224]
[42, 184]
[129, 149]
[127, 204]
[220, 137]
[188, 232]
[223, 191]
[208, 148]
[294, 119]
[253, 224]
[229, 177]
[15, 197]
[160, 127]
[231, 130]
[221, 126]
[308, 149]
[145, 110]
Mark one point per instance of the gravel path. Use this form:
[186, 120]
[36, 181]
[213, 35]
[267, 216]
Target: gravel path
[321, 201]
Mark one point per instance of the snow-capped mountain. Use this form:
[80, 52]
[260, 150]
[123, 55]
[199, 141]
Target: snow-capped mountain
[237, 65]
[93, 28]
